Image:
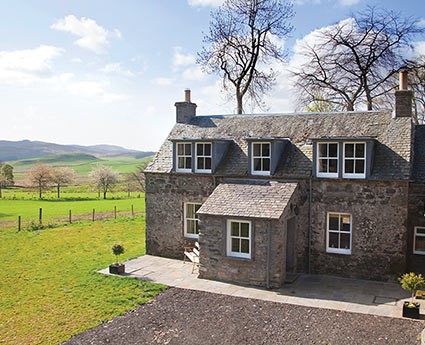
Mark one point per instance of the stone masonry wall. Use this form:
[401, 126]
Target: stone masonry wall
[416, 262]
[379, 232]
[215, 264]
[165, 198]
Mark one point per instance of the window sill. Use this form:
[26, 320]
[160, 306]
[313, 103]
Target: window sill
[338, 251]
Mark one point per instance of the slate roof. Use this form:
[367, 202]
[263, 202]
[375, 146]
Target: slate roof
[419, 154]
[251, 199]
[392, 149]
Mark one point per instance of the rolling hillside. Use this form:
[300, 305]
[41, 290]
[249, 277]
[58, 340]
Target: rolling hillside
[25, 149]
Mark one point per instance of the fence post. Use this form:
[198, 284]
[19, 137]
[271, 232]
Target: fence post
[132, 211]
[92, 216]
[19, 223]
[40, 216]
[70, 217]
[115, 212]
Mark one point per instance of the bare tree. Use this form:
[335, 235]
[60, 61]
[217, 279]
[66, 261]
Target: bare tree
[242, 40]
[416, 80]
[139, 177]
[61, 177]
[352, 62]
[40, 177]
[104, 179]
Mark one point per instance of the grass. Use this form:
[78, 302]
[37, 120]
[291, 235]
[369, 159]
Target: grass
[49, 286]
[18, 202]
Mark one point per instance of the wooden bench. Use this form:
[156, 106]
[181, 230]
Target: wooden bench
[192, 253]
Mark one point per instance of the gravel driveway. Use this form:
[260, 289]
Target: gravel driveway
[179, 316]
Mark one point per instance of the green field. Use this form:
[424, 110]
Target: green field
[82, 164]
[49, 286]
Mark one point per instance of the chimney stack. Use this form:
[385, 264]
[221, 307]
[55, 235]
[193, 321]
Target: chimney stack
[185, 110]
[403, 97]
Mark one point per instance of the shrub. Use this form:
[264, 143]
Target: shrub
[117, 250]
[411, 282]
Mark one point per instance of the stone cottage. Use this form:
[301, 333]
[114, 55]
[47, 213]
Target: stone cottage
[267, 195]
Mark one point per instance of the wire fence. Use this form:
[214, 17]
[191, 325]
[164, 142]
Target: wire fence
[42, 222]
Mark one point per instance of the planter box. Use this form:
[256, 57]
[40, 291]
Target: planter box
[412, 313]
[117, 268]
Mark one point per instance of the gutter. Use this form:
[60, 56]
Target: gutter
[310, 216]
[268, 256]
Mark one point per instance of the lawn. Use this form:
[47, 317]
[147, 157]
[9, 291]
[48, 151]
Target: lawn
[49, 286]
[20, 203]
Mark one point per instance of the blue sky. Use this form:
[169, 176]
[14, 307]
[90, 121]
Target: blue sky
[109, 72]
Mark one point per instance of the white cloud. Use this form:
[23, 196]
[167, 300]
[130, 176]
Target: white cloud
[181, 59]
[117, 68]
[419, 48]
[194, 73]
[422, 22]
[212, 3]
[93, 89]
[29, 65]
[163, 81]
[92, 36]
[348, 2]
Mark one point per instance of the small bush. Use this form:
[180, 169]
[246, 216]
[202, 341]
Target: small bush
[34, 226]
[412, 282]
[117, 250]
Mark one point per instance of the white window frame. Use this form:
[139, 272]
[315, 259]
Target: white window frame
[202, 156]
[229, 239]
[328, 231]
[420, 252]
[318, 157]
[184, 156]
[253, 157]
[186, 219]
[354, 175]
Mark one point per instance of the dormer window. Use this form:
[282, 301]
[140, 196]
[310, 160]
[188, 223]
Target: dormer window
[343, 157]
[261, 157]
[327, 160]
[184, 157]
[203, 158]
[354, 160]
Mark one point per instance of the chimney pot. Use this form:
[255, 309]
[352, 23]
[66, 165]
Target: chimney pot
[187, 95]
[403, 80]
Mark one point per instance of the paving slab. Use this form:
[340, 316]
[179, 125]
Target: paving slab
[353, 295]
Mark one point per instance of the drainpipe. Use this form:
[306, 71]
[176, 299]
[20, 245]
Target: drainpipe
[268, 256]
[310, 212]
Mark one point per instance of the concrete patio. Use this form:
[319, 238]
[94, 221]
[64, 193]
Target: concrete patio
[359, 296]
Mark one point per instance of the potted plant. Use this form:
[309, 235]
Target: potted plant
[411, 282]
[117, 267]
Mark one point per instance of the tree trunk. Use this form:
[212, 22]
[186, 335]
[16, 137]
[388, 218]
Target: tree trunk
[40, 192]
[104, 195]
[59, 191]
[239, 106]
[0, 192]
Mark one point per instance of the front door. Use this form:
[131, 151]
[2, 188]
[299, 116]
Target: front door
[290, 245]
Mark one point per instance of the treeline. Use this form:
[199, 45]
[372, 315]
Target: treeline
[103, 179]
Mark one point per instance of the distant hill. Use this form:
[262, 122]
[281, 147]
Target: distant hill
[26, 149]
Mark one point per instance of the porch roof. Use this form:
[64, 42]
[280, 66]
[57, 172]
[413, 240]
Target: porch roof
[266, 199]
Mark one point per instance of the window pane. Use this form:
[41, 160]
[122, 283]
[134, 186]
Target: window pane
[333, 150]
[200, 149]
[188, 162]
[344, 241]
[190, 227]
[345, 220]
[244, 230]
[323, 165]
[359, 166]
[333, 223]
[188, 149]
[200, 163]
[245, 246]
[333, 240]
[197, 207]
[349, 166]
[265, 150]
[235, 229]
[235, 244]
[333, 165]
[360, 150]
[349, 150]
[256, 149]
[420, 243]
[207, 163]
[181, 163]
[266, 164]
[257, 164]
[180, 149]
[207, 149]
[189, 211]
[420, 231]
[323, 150]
